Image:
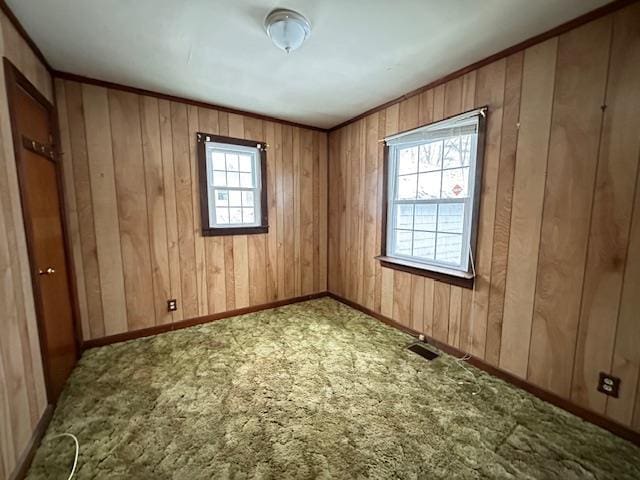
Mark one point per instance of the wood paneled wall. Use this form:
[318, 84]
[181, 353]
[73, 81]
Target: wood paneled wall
[22, 391]
[557, 292]
[133, 204]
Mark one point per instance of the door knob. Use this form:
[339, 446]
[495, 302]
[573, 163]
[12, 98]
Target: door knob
[48, 271]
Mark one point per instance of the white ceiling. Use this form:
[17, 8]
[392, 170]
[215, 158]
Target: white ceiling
[361, 52]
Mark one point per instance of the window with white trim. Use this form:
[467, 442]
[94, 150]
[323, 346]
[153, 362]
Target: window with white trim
[433, 194]
[232, 180]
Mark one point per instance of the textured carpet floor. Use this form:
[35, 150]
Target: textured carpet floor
[313, 390]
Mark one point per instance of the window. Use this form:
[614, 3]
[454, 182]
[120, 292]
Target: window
[433, 185]
[232, 174]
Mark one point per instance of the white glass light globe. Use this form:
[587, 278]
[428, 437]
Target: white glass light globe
[287, 29]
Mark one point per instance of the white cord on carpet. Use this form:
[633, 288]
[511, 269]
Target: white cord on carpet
[75, 461]
[459, 361]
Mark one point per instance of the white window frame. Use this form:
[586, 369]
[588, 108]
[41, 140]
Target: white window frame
[254, 153]
[424, 135]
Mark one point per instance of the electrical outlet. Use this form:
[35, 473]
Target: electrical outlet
[609, 385]
[172, 305]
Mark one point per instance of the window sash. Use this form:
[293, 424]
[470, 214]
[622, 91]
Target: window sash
[394, 148]
[212, 147]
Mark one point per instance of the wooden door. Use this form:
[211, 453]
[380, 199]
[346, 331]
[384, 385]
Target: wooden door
[33, 127]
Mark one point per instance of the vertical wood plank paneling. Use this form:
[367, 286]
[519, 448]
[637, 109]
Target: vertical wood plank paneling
[455, 312]
[334, 188]
[288, 202]
[306, 212]
[315, 188]
[466, 333]
[156, 213]
[73, 227]
[208, 122]
[425, 107]
[528, 194]
[611, 216]
[323, 186]
[428, 308]
[504, 195]
[173, 247]
[417, 303]
[7, 450]
[382, 125]
[386, 281]
[453, 97]
[347, 196]
[489, 91]
[124, 111]
[573, 151]
[626, 355]
[184, 209]
[370, 178]
[441, 301]
[77, 160]
[353, 214]
[408, 114]
[280, 208]
[272, 199]
[402, 298]
[19, 422]
[105, 208]
[241, 270]
[296, 192]
[199, 247]
[361, 166]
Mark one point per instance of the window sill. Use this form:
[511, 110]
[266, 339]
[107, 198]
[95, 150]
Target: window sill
[424, 271]
[219, 232]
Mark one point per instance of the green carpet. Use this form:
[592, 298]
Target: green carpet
[312, 390]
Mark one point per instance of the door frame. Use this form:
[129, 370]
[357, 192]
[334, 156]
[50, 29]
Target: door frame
[13, 80]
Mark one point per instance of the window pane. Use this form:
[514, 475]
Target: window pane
[451, 154]
[426, 217]
[235, 198]
[404, 216]
[233, 179]
[449, 248]
[407, 187]
[408, 161]
[235, 215]
[429, 185]
[455, 183]
[248, 215]
[232, 162]
[403, 242]
[246, 180]
[219, 179]
[247, 199]
[222, 215]
[424, 245]
[430, 156]
[222, 198]
[457, 152]
[245, 163]
[218, 161]
[450, 217]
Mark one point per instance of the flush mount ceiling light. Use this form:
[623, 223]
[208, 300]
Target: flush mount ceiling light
[287, 29]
